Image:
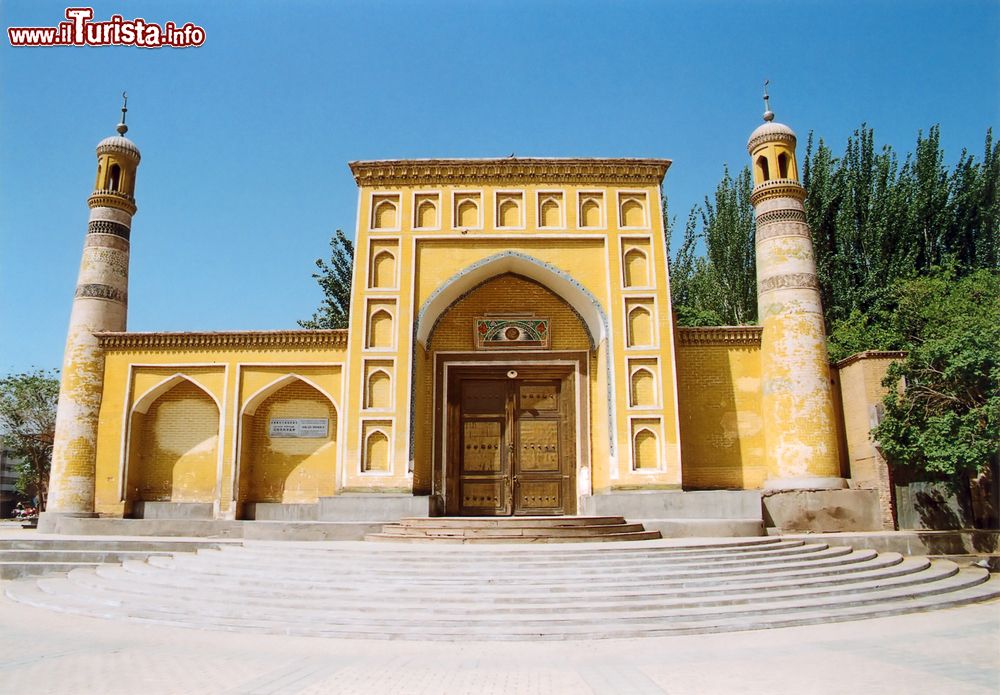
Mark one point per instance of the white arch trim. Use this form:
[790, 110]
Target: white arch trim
[147, 399]
[259, 396]
[578, 297]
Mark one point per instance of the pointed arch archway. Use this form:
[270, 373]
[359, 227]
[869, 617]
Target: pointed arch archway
[172, 448]
[583, 302]
[278, 469]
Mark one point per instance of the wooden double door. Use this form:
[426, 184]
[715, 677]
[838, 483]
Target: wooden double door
[511, 441]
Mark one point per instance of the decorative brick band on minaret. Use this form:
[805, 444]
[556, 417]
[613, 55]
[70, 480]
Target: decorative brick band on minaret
[800, 432]
[99, 304]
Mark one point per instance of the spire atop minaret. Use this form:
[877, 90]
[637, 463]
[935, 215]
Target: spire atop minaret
[768, 113]
[122, 128]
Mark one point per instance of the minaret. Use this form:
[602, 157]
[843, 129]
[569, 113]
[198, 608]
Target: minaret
[100, 304]
[800, 435]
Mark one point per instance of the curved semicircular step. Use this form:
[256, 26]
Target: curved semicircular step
[510, 592]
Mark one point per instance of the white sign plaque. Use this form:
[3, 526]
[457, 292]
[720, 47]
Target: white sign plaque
[300, 427]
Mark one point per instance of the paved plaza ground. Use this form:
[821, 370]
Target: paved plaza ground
[953, 652]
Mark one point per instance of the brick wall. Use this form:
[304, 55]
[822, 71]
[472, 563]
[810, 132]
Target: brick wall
[176, 457]
[722, 439]
[288, 469]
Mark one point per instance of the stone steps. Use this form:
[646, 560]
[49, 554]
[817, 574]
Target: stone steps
[512, 530]
[445, 592]
[31, 557]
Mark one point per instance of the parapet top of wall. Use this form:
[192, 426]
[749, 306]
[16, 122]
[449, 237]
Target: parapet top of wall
[541, 169]
[725, 336]
[330, 338]
[870, 355]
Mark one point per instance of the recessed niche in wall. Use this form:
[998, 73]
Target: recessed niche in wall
[550, 209]
[380, 324]
[591, 210]
[468, 207]
[632, 211]
[425, 211]
[645, 444]
[510, 210]
[635, 263]
[376, 455]
[385, 211]
[643, 383]
[639, 323]
[378, 384]
[382, 264]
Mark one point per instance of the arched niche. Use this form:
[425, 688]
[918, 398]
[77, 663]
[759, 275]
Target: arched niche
[376, 452]
[636, 268]
[383, 275]
[427, 214]
[590, 213]
[378, 390]
[640, 327]
[385, 214]
[173, 444]
[467, 214]
[632, 213]
[645, 452]
[509, 213]
[550, 212]
[380, 329]
[294, 469]
[642, 388]
[583, 302]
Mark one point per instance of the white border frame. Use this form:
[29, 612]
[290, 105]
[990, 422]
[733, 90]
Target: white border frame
[648, 300]
[363, 445]
[384, 248]
[658, 433]
[540, 195]
[602, 207]
[386, 195]
[436, 194]
[629, 193]
[390, 371]
[523, 208]
[383, 302]
[455, 195]
[634, 364]
[624, 242]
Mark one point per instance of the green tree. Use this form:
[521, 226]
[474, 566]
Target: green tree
[947, 418]
[28, 421]
[719, 287]
[334, 279]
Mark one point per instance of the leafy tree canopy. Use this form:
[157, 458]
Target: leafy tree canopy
[334, 279]
[27, 423]
[947, 418]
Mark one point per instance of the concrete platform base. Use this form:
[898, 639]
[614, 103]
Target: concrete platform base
[272, 511]
[372, 507]
[822, 510]
[172, 510]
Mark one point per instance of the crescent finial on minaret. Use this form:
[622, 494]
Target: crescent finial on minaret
[122, 128]
[768, 113]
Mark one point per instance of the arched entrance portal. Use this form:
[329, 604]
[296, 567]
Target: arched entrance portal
[511, 423]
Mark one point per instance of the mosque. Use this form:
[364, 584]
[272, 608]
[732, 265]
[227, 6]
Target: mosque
[511, 352]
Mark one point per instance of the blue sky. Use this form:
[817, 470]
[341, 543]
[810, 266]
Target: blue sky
[246, 140]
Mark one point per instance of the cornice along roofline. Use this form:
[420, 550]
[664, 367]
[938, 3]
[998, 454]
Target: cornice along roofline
[541, 169]
[328, 338]
[705, 336]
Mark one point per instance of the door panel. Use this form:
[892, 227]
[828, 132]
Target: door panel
[484, 463]
[512, 442]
